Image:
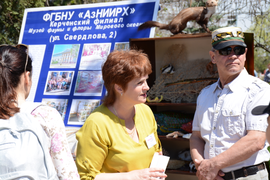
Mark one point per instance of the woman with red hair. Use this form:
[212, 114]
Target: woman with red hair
[119, 139]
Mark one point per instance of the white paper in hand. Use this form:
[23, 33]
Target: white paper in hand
[159, 161]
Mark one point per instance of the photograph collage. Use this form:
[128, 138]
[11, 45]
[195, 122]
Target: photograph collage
[85, 70]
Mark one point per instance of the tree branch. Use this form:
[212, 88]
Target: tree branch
[259, 45]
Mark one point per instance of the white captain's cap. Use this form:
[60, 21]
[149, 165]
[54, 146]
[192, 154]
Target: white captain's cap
[227, 36]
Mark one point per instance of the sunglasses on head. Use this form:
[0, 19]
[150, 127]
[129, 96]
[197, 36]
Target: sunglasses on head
[22, 47]
[238, 50]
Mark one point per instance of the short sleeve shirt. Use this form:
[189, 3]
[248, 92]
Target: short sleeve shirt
[223, 116]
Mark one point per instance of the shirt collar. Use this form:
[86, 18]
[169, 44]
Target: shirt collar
[238, 82]
[217, 85]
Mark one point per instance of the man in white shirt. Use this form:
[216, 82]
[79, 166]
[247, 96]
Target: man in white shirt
[227, 141]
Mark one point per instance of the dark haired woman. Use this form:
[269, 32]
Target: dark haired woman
[119, 139]
[15, 85]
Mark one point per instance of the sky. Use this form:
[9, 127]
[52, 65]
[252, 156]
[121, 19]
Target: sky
[244, 22]
[61, 48]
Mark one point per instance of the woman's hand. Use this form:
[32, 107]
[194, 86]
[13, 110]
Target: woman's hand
[148, 174]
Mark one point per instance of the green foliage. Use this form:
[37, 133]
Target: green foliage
[261, 59]
[11, 15]
[194, 30]
[64, 2]
[260, 28]
[218, 17]
[197, 4]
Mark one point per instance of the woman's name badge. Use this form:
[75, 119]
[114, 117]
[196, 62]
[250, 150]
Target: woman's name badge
[150, 140]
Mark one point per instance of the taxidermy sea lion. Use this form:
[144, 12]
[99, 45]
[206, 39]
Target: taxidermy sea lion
[200, 14]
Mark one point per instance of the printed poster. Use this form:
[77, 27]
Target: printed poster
[69, 44]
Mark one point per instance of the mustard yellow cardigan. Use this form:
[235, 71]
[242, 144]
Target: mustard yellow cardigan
[105, 147]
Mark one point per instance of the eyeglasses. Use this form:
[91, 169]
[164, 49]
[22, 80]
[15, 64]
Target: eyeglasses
[23, 47]
[238, 50]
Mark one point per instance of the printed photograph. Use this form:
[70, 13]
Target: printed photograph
[94, 55]
[80, 110]
[59, 104]
[58, 83]
[89, 83]
[121, 46]
[65, 56]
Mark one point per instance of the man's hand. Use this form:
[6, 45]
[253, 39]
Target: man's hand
[206, 170]
[197, 163]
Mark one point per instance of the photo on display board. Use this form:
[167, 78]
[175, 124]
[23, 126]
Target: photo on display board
[81, 109]
[59, 104]
[121, 46]
[89, 83]
[94, 55]
[65, 56]
[72, 39]
[58, 82]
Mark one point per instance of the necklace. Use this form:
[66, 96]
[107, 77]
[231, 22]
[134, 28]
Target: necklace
[131, 133]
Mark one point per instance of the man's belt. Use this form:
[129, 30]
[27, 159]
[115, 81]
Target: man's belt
[244, 172]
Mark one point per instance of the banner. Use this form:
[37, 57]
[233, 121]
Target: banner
[69, 44]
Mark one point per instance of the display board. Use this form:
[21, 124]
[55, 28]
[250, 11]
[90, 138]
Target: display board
[69, 44]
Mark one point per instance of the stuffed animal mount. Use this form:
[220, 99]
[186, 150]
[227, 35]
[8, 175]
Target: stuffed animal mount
[200, 14]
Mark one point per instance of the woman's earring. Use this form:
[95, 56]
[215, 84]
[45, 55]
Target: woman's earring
[121, 93]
